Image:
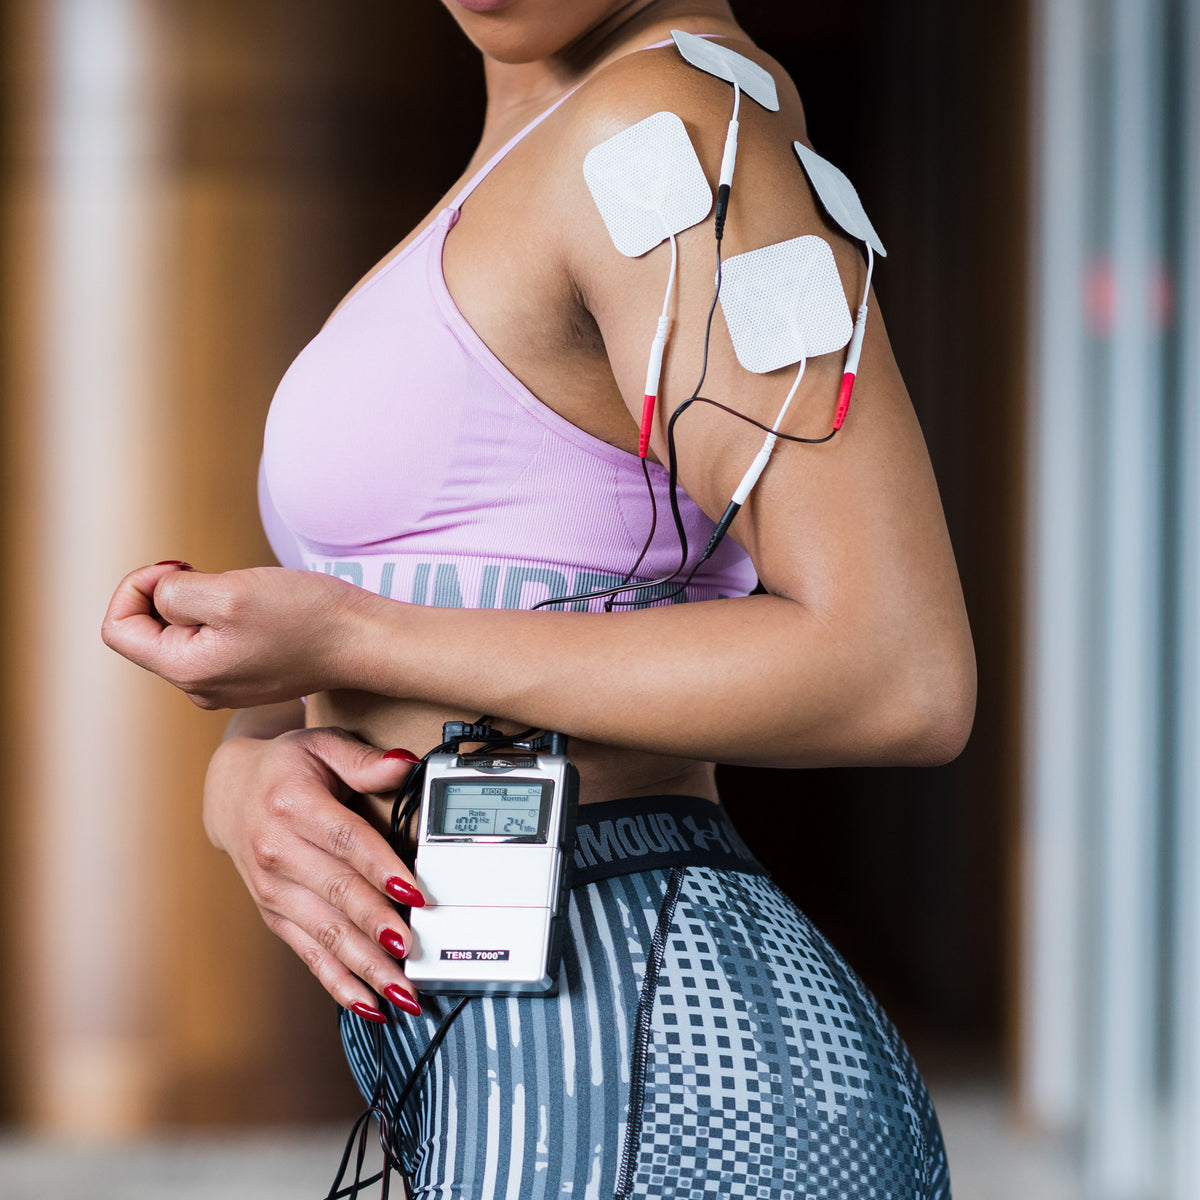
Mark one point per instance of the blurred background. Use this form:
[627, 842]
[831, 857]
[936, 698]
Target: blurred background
[185, 192]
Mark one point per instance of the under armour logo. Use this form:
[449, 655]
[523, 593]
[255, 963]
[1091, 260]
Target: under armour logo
[704, 838]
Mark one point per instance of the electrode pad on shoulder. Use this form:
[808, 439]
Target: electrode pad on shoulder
[784, 303]
[647, 183]
[729, 65]
[494, 838]
[838, 197]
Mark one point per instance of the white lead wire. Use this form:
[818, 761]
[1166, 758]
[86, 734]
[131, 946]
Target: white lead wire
[729, 155]
[671, 276]
[654, 370]
[654, 366]
[759, 465]
[788, 402]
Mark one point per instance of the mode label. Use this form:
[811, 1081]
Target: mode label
[475, 955]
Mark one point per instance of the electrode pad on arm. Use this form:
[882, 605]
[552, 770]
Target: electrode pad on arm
[784, 303]
[729, 65]
[647, 183]
[838, 197]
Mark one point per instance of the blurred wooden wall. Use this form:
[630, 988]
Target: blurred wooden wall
[187, 191]
[264, 153]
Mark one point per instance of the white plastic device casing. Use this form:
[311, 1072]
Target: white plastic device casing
[495, 905]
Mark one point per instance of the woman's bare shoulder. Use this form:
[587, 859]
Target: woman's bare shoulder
[774, 200]
[649, 81]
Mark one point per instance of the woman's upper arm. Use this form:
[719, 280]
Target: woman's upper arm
[852, 530]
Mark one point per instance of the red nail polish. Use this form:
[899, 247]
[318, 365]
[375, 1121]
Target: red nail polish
[401, 999]
[369, 1013]
[403, 755]
[392, 942]
[175, 562]
[403, 891]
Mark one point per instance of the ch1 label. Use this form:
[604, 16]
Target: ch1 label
[475, 955]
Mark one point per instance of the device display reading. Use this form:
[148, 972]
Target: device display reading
[470, 808]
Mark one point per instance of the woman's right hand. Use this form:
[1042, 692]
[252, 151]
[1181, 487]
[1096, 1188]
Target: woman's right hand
[320, 874]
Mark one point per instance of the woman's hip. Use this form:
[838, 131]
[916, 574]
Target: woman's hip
[705, 1039]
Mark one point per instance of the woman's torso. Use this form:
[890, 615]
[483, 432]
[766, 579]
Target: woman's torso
[509, 290]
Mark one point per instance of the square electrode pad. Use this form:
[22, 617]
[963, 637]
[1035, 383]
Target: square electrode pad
[647, 183]
[729, 65]
[784, 303]
[838, 197]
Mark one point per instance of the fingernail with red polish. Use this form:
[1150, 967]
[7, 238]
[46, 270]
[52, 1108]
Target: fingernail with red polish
[368, 1013]
[403, 755]
[392, 942]
[175, 562]
[401, 999]
[403, 891]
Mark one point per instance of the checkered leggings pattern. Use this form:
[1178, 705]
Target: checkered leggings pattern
[761, 1067]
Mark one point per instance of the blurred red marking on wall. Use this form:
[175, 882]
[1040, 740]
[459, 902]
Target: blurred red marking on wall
[1102, 297]
[1160, 297]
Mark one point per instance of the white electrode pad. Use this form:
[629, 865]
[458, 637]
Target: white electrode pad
[647, 183]
[838, 197]
[784, 303]
[729, 65]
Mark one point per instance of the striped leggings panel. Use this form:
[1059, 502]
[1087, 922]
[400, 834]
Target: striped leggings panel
[761, 1066]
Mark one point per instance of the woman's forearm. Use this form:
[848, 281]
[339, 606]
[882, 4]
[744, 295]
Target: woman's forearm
[759, 680]
[266, 720]
[880, 671]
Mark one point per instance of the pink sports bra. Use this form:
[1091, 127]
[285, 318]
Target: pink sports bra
[402, 455]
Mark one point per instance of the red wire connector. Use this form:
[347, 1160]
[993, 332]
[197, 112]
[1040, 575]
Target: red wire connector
[650, 396]
[852, 357]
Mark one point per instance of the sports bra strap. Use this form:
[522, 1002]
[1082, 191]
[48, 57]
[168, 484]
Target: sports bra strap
[487, 167]
[671, 41]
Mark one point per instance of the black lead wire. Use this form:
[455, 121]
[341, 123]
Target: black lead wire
[644, 593]
[406, 800]
[390, 1117]
[580, 597]
[783, 437]
[608, 594]
[359, 1133]
[427, 1057]
[725, 522]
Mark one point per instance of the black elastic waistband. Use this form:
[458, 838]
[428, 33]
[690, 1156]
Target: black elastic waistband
[646, 833]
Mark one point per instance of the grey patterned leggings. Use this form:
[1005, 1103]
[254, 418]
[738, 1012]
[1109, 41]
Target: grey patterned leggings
[705, 1041]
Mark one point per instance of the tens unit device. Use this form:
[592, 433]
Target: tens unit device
[496, 830]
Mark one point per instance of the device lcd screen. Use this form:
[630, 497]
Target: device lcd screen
[513, 808]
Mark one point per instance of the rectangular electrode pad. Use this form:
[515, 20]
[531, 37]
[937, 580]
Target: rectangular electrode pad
[647, 183]
[784, 303]
[729, 65]
[838, 197]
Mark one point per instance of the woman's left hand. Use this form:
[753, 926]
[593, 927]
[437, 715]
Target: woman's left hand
[232, 640]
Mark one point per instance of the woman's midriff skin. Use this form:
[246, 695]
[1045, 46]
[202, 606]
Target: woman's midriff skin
[605, 772]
